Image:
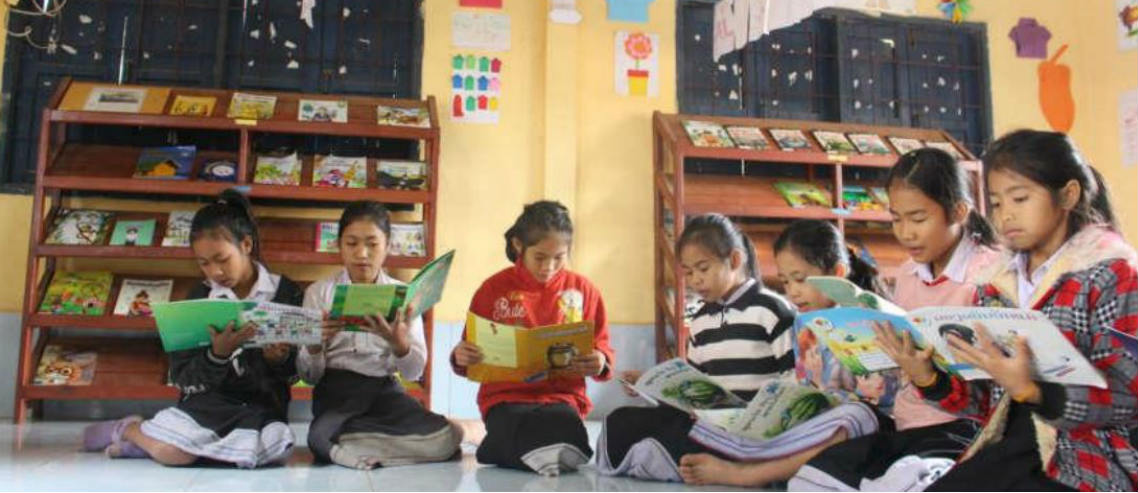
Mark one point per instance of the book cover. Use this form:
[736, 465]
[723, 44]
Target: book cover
[858, 198]
[904, 145]
[402, 175]
[136, 296]
[881, 196]
[404, 117]
[340, 172]
[178, 229]
[277, 169]
[748, 137]
[133, 233]
[526, 354]
[311, 110]
[803, 194]
[79, 227]
[790, 139]
[219, 170]
[707, 134]
[77, 293]
[407, 240]
[869, 144]
[247, 106]
[186, 324]
[167, 163]
[834, 142]
[115, 99]
[845, 293]
[328, 237]
[192, 105]
[59, 365]
[351, 302]
[946, 147]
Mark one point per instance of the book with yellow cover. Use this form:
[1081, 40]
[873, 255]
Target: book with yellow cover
[193, 105]
[520, 354]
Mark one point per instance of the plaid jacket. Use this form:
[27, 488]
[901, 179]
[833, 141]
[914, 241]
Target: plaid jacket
[1084, 432]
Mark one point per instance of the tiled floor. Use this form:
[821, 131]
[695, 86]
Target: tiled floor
[45, 456]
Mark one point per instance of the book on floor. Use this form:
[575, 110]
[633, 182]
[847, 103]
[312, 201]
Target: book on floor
[77, 293]
[328, 237]
[133, 233]
[312, 110]
[407, 240]
[526, 354]
[748, 137]
[803, 194]
[279, 168]
[403, 117]
[178, 229]
[869, 144]
[60, 365]
[245, 106]
[79, 227]
[137, 295]
[402, 175]
[352, 302]
[707, 134]
[340, 172]
[186, 324]
[834, 142]
[790, 139]
[166, 163]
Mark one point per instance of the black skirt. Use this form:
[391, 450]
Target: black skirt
[544, 438]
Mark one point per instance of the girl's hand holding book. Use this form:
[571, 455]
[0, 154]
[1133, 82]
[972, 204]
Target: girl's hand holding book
[228, 339]
[396, 333]
[329, 328]
[589, 365]
[917, 364]
[1012, 372]
[466, 354]
[629, 379]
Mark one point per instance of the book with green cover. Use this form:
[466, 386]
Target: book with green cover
[352, 302]
[184, 324]
[799, 194]
[77, 293]
[858, 198]
[133, 233]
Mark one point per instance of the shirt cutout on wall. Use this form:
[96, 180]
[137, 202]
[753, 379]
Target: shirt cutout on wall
[1127, 12]
[636, 69]
[1030, 38]
[628, 10]
[489, 4]
[476, 88]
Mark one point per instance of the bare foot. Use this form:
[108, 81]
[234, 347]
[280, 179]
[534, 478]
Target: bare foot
[705, 469]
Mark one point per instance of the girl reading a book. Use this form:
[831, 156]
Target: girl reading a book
[742, 338]
[537, 425]
[362, 417]
[233, 400]
[1068, 261]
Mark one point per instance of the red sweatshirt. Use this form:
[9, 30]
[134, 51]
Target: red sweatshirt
[513, 296]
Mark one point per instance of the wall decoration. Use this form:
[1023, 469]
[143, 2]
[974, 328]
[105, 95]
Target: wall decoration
[480, 31]
[1128, 126]
[476, 88]
[957, 10]
[1127, 11]
[1055, 93]
[628, 10]
[1030, 38]
[637, 71]
[489, 4]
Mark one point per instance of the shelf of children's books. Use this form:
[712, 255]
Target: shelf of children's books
[270, 254]
[342, 195]
[113, 322]
[748, 196]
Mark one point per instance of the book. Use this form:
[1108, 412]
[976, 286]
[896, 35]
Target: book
[166, 163]
[402, 175]
[178, 229]
[869, 144]
[247, 106]
[404, 117]
[881, 196]
[834, 142]
[946, 147]
[79, 227]
[133, 233]
[904, 145]
[311, 110]
[526, 354]
[802, 194]
[352, 302]
[789, 139]
[60, 365]
[219, 170]
[136, 296]
[186, 324]
[748, 137]
[845, 293]
[340, 172]
[277, 169]
[707, 134]
[407, 240]
[848, 332]
[328, 236]
[77, 293]
[192, 105]
[858, 198]
[115, 99]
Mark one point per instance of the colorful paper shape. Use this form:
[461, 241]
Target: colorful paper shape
[1127, 24]
[628, 10]
[1055, 97]
[1030, 38]
[486, 4]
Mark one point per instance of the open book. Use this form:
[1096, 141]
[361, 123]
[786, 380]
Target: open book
[520, 354]
[352, 302]
[845, 293]
[848, 332]
[186, 324]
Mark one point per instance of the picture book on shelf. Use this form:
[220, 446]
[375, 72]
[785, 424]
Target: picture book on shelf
[352, 302]
[869, 144]
[115, 99]
[137, 295]
[881, 196]
[802, 194]
[407, 240]
[521, 354]
[834, 142]
[402, 175]
[328, 237]
[404, 117]
[219, 170]
[133, 233]
[946, 147]
[166, 163]
[340, 172]
[858, 198]
[178, 229]
[77, 293]
[311, 110]
[790, 139]
[904, 145]
[748, 137]
[707, 134]
[79, 227]
[186, 324]
[61, 365]
[279, 168]
[247, 106]
[192, 105]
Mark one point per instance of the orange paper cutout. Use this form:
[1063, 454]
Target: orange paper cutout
[1055, 93]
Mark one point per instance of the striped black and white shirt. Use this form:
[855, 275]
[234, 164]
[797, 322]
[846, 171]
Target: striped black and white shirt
[744, 341]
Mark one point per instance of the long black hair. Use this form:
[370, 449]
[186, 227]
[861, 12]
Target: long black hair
[366, 210]
[1052, 160]
[719, 236]
[229, 217]
[535, 222]
[937, 175]
[819, 243]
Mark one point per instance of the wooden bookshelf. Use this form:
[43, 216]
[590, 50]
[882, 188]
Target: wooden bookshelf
[131, 364]
[681, 191]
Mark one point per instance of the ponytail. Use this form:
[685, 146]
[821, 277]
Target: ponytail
[719, 236]
[1099, 203]
[230, 217]
[979, 229]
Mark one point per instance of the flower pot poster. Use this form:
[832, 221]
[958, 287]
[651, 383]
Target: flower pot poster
[637, 64]
[476, 88]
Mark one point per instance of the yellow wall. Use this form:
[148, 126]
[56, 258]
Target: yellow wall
[564, 133]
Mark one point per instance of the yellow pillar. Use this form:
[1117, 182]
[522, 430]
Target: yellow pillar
[559, 173]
